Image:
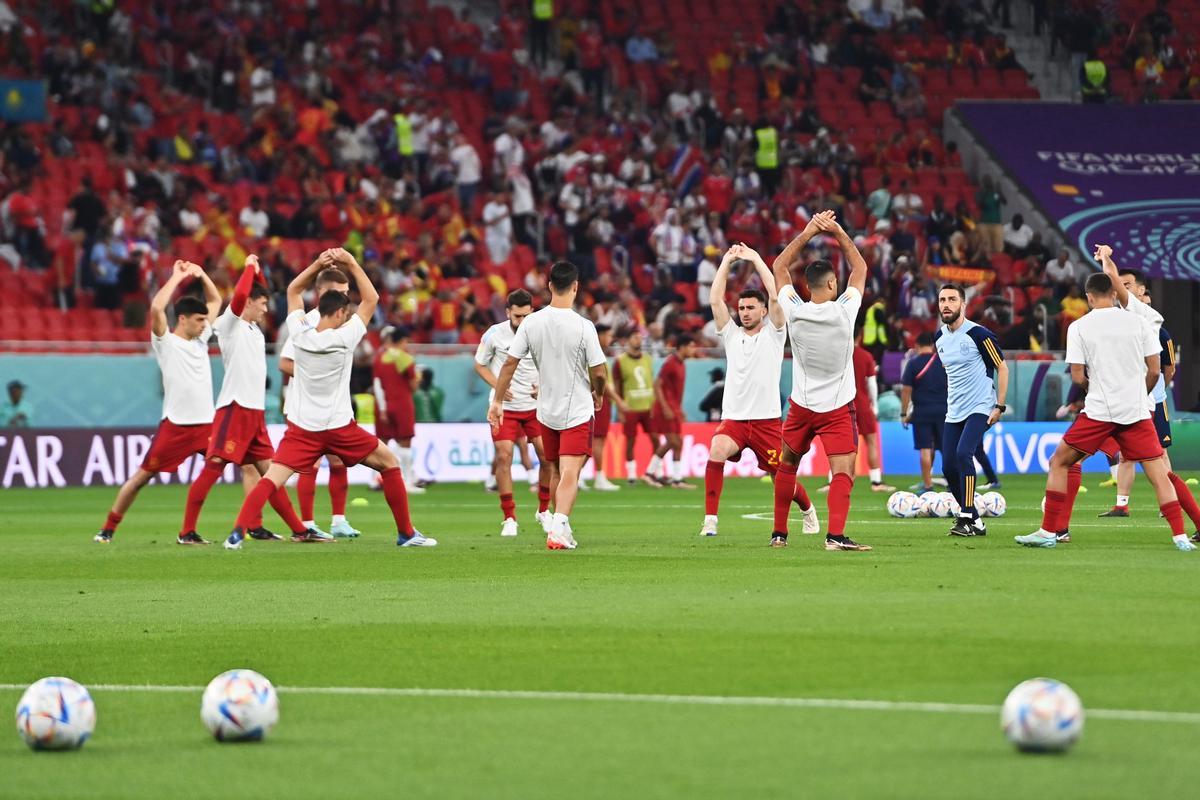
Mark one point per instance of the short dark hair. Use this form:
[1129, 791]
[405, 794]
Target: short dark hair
[188, 305]
[518, 297]
[1098, 284]
[257, 290]
[682, 339]
[757, 294]
[332, 302]
[602, 328]
[562, 275]
[954, 287]
[1138, 276]
[330, 276]
[818, 272]
[925, 339]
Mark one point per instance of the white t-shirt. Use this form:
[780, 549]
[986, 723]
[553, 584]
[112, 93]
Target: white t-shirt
[466, 160]
[753, 364]
[1146, 312]
[706, 273]
[256, 221]
[1113, 346]
[564, 347]
[244, 353]
[319, 399]
[493, 352]
[509, 151]
[186, 377]
[498, 221]
[822, 337]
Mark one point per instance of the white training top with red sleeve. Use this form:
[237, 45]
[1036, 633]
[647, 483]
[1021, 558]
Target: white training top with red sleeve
[822, 336]
[1113, 345]
[319, 399]
[564, 346]
[186, 377]
[753, 366]
[244, 353]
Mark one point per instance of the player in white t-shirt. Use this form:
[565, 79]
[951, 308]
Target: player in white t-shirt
[319, 412]
[750, 400]
[1114, 355]
[330, 279]
[187, 414]
[520, 409]
[823, 387]
[573, 374]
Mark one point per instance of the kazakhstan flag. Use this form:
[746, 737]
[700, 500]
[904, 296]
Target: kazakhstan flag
[22, 101]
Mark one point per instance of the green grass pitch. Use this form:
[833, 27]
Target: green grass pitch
[645, 606]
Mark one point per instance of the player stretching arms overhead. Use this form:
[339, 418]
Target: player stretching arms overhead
[520, 409]
[187, 414]
[571, 368]
[328, 280]
[750, 398]
[822, 400]
[239, 431]
[319, 413]
[1115, 355]
[971, 355]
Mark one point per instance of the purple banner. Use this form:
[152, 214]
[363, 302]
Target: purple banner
[1127, 176]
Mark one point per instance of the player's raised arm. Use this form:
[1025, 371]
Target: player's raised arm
[782, 266]
[716, 293]
[368, 294]
[300, 284]
[1103, 255]
[162, 298]
[858, 265]
[212, 297]
[774, 310]
[241, 291]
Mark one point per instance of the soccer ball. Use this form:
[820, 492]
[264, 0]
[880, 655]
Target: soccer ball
[903, 504]
[992, 504]
[1042, 715]
[927, 502]
[951, 504]
[239, 706]
[56, 714]
[939, 506]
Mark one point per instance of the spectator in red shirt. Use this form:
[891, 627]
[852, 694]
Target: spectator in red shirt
[590, 45]
[445, 312]
[717, 188]
[27, 231]
[667, 416]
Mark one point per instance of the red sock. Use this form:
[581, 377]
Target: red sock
[397, 498]
[1186, 500]
[785, 490]
[714, 481]
[543, 497]
[114, 519]
[801, 498]
[306, 493]
[197, 493]
[1074, 481]
[1174, 515]
[339, 487]
[283, 507]
[508, 506]
[1055, 502]
[252, 506]
[838, 500]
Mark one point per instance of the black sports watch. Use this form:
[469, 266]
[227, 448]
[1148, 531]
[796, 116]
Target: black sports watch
[1000, 407]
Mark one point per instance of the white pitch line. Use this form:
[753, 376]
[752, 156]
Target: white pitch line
[1133, 715]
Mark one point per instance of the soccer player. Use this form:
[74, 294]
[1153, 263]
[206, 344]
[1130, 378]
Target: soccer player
[520, 409]
[633, 382]
[395, 378]
[822, 399]
[971, 355]
[320, 415]
[328, 280]
[750, 398]
[187, 412]
[603, 420]
[239, 430]
[866, 399]
[573, 374]
[667, 415]
[1115, 356]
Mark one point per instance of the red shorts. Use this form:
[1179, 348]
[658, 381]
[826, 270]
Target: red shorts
[864, 417]
[1138, 441]
[603, 419]
[631, 422]
[837, 428]
[576, 441]
[759, 436]
[239, 435]
[659, 424]
[1110, 447]
[300, 449]
[518, 424]
[173, 444]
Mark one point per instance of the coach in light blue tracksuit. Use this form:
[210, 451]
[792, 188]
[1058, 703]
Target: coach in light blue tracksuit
[971, 355]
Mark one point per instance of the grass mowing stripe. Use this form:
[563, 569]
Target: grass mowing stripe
[1134, 715]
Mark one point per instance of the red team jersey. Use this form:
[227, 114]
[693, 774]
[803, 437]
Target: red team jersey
[864, 368]
[671, 378]
[394, 369]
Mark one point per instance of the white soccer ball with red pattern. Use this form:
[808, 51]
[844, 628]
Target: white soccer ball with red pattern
[1042, 715]
[56, 714]
[239, 706]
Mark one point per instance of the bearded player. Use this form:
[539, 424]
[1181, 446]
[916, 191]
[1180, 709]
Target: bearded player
[750, 401]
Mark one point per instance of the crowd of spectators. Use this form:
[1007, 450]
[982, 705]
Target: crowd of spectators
[457, 155]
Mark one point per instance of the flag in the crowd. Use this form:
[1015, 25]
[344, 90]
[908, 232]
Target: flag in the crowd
[686, 169]
[22, 101]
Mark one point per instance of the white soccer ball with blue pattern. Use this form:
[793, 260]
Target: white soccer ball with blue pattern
[903, 504]
[939, 506]
[56, 714]
[239, 706]
[992, 504]
[1042, 715]
[928, 501]
[951, 504]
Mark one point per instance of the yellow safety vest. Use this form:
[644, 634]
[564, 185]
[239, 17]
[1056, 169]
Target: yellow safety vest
[767, 156]
[404, 137]
[874, 326]
[543, 9]
[364, 408]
